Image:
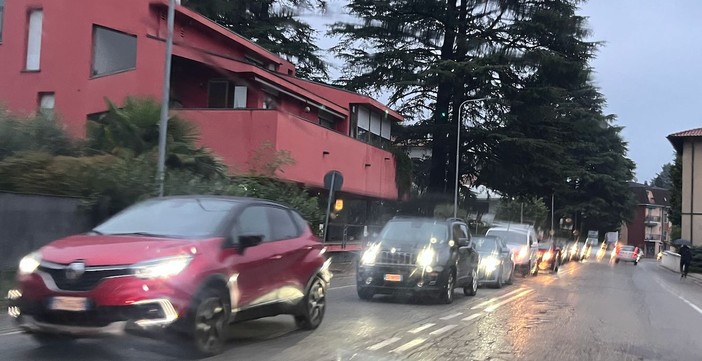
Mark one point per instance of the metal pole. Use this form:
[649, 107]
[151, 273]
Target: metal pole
[329, 202]
[458, 149]
[165, 99]
[553, 232]
[521, 213]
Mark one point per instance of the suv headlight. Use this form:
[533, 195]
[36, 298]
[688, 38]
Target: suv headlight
[29, 263]
[370, 255]
[162, 267]
[426, 257]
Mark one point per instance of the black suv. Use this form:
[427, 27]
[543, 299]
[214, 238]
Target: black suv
[419, 255]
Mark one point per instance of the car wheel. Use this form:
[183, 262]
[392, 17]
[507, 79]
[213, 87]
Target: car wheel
[313, 306]
[526, 269]
[556, 265]
[446, 295]
[616, 261]
[51, 339]
[473, 289]
[364, 293]
[500, 281]
[510, 280]
[636, 262]
[210, 320]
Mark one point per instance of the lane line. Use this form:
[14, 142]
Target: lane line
[11, 333]
[472, 317]
[694, 307]
[340, 287]
[422, 328]
[387, 342]
[496, 298]
[442, 330]
[414, 343]
[495, 306]
[451, 316]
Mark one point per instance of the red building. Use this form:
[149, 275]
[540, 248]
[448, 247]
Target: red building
[67, 56]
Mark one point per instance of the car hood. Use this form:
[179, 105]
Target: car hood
[107, 250]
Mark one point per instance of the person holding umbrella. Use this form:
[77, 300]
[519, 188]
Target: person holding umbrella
[685, 259]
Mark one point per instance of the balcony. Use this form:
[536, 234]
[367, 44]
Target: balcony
[652, 237]
[652, 220]
[236, 135]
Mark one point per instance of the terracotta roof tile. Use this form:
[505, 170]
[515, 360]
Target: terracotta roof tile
[687, 133]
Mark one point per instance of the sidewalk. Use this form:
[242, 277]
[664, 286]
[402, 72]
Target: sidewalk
[696, 277]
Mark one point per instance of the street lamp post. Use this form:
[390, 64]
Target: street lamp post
[458, 150]
[163, 122]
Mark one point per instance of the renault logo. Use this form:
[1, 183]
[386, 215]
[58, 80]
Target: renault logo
[75, 270]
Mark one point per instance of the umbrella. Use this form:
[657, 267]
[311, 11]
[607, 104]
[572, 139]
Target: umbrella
[681, 242]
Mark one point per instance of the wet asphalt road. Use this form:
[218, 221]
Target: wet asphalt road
[588, 311]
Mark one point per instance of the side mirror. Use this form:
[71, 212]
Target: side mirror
[247, 241]
[464, 242]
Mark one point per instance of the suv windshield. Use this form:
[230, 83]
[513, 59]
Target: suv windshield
[485, 243]
[175, 217]
[414, 233]
[510, 237]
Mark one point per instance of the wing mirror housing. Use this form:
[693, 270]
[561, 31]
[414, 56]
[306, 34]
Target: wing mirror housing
[464, 242]
[251, 240]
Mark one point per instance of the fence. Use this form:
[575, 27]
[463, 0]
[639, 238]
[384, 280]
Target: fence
[28, 222]
[351, 232]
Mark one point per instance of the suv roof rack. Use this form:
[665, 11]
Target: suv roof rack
[455, 219]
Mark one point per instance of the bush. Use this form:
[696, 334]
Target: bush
[34, 133]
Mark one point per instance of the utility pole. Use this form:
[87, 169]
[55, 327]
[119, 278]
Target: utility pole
[165, 100]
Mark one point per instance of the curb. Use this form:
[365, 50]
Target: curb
[696, 277]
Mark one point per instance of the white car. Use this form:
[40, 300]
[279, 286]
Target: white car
[628, 253]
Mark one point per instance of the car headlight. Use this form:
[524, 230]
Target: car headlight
[548, 255]
[490, 263]
[162, 267]
[29, 263]
[522, 252]
[426, 257]
[370, 255]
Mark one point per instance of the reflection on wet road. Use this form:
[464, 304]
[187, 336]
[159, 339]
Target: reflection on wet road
[594, 310]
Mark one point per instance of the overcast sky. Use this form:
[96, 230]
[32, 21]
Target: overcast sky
[648, 69]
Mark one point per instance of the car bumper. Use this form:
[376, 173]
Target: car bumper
[412, 279]
[486, 276]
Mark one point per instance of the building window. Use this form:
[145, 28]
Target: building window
[47, 102]
[223, 94]
[2, 12]
[113, 51]
[36, 18]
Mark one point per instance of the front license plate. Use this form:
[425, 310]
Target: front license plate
[75, 304]
[393, 278]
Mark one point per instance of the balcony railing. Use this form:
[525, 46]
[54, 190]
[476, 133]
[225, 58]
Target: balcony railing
[652, 237]
[652, 220]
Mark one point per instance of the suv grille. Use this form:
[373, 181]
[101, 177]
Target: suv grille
[85, 282]
[387, 257]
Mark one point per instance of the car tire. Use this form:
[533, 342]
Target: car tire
[510, 280]
[636, 262]
[210, 318]
[525, 270]
[556, 265]
[365, 293]
[473, 289]
[616, 261]
[313, 306]
[446, 295]
[51, 339]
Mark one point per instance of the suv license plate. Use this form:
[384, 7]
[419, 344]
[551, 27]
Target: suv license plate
[75, 304]
[393, 278]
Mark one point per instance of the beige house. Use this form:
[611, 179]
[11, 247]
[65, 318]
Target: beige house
[688, 144]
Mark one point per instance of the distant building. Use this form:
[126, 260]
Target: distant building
[649, 228]
[688, 144]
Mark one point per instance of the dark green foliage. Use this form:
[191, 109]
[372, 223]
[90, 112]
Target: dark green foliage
[676, 190]
[663, 178]
[35, 133]
[274, 25]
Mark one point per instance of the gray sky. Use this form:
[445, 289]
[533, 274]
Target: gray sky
[648, 69]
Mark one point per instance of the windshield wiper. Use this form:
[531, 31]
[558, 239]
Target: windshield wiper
[96, 231]
[143, 234]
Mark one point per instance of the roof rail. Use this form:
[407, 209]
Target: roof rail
[455, 219]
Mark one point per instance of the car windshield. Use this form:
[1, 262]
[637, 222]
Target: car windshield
[175, 217]
[485, 244]
[627, 248]
[414, 233]
[510, 237]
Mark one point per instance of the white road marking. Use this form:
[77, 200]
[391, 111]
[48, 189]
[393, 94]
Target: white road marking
[443, 330]
[495, 299]
[11, 333]
[414, 343]
[451, 316]
[694, 307]
[422, 328]
[495, 306]
[380, 345]
[472, 317]
[340, 287]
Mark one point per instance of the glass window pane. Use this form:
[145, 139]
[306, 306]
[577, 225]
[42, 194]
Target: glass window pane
[253, 221]
[36, 18]
[113, 51]
[282, 225]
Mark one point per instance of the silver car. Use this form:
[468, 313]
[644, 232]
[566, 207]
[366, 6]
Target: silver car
[628, 253]
[495, 266]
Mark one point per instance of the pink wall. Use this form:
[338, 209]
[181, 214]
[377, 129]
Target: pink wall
[235, 135]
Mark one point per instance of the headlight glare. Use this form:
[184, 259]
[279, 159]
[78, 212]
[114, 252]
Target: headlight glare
[29, 263]
[490, 263]
[426, 257]
[370, 255]
[162, 267]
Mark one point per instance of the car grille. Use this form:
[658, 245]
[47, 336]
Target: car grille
[387, 257]
[101, 316]
[85, 282]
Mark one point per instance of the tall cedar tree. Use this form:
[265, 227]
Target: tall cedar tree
[274, 25]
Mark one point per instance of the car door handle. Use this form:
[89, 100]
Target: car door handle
[277, 256]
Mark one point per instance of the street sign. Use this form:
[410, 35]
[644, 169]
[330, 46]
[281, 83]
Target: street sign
[333, 179]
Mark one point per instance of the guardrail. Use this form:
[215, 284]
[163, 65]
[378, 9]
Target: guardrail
[671, 261]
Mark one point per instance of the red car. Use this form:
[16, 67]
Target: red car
[187, 265]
